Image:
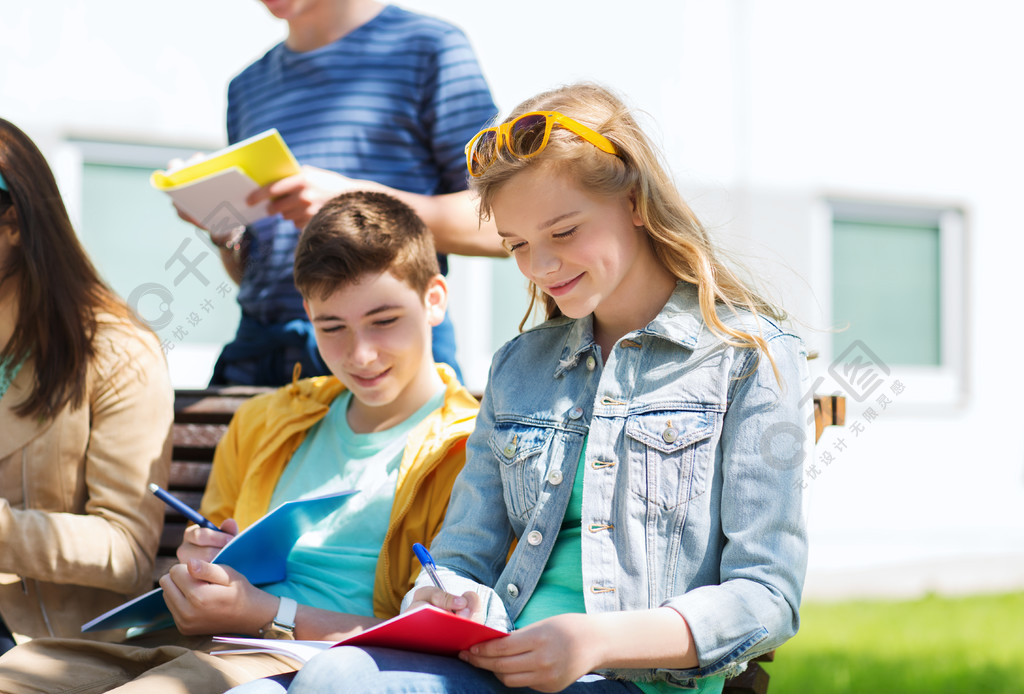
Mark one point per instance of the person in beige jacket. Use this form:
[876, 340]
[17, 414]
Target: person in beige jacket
[86, 409]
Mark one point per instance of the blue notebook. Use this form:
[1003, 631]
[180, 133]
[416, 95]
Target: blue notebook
[260, 553]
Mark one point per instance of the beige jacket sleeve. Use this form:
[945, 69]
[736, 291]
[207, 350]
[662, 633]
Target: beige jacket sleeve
[86, 516]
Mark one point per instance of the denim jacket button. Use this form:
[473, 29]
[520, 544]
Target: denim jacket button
[534, 538]
[591, 363]
[513, 590]
[576, 413]
[670, 434]
[555, 477]
[510, 448]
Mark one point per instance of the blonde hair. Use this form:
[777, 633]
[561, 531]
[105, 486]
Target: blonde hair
[679, 239]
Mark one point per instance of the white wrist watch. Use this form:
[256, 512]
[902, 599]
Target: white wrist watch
[283, 625]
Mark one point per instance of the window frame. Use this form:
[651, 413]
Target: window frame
[941, 386]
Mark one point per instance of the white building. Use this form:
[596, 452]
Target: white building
[862, 159]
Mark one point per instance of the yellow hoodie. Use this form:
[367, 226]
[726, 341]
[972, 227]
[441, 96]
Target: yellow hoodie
[266, 431]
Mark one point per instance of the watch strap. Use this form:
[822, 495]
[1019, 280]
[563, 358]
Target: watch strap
[283, 624]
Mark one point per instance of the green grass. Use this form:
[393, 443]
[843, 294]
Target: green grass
[933, 645]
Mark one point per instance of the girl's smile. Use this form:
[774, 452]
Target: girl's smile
[588, 252]
[564, 287]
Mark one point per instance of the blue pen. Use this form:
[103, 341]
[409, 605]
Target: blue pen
[428, 563]
[183, 508]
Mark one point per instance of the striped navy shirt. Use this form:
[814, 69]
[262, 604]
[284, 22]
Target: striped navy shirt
[394, 101]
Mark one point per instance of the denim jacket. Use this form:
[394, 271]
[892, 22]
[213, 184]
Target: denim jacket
[691, 492]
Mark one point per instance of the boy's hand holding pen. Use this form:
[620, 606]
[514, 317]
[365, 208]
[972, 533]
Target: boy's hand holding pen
[202, 540]
[182, 508]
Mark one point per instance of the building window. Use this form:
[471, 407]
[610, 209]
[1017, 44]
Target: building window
[166, 269]
[897, 288]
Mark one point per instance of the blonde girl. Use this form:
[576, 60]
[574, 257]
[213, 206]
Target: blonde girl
[626, 448]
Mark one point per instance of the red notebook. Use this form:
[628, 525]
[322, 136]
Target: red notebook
[426, 629]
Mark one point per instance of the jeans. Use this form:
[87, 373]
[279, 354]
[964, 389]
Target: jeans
[265, 354]
[6, 638]
[385, 671]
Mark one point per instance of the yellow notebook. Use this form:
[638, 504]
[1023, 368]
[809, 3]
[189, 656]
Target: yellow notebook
[213, 190]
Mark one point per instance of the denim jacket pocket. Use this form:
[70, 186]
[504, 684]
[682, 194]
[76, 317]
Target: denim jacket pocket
[670, 454]
[518, 446]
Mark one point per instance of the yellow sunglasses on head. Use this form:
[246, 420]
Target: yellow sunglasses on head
[524, 137]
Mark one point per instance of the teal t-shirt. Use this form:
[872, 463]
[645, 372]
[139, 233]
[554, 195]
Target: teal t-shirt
[8, 372]
[332, 566]
[560, 588]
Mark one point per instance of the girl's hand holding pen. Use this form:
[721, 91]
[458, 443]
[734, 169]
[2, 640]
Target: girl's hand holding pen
[467, 605]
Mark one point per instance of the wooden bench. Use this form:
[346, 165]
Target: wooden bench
[201, 417]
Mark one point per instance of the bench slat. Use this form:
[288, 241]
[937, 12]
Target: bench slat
[753, 680]
[188, 475]
[170, 538]
[212, 405]
[196, 441]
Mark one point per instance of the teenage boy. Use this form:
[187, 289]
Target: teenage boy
[368, 96]
[389, 422]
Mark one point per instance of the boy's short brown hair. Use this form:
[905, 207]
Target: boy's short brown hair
[363, 232]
